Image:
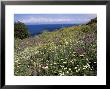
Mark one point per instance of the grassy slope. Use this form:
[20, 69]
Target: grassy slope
[68, 51]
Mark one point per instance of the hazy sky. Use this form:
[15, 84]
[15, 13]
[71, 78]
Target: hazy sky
[53, 18]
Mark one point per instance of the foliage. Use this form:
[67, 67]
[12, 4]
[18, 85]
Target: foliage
[20, 30]
[70, 51]
[92, 21]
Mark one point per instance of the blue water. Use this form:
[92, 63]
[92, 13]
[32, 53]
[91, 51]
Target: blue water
[37, 29]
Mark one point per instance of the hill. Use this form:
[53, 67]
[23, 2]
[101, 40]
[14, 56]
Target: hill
[70, 51]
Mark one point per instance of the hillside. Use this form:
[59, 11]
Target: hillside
[70, 51]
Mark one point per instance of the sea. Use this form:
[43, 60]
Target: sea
[39, 28]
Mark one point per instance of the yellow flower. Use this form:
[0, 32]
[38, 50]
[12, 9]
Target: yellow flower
[69, 68]
[64, 62]
[55, 63]
[46, 67]
[75, 68]
[66, 42]
[81, 55]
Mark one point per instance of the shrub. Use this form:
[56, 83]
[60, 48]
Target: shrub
[20, 30]
[85, 29]
[92, 21]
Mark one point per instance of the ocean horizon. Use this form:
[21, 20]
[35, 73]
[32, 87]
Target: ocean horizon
[39, 28]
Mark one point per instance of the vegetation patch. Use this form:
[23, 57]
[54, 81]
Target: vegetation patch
[69, 51]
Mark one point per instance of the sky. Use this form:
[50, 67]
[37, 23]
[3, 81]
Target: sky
[32, 19]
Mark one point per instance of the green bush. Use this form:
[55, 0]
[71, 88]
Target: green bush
[20, 30]
[85, 29]
[92, 21]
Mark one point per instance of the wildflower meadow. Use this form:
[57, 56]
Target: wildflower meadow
[68, 51]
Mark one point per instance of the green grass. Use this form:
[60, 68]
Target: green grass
[70, 51]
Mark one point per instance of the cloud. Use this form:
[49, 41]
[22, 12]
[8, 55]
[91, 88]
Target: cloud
[44, 20]
[54, 19]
